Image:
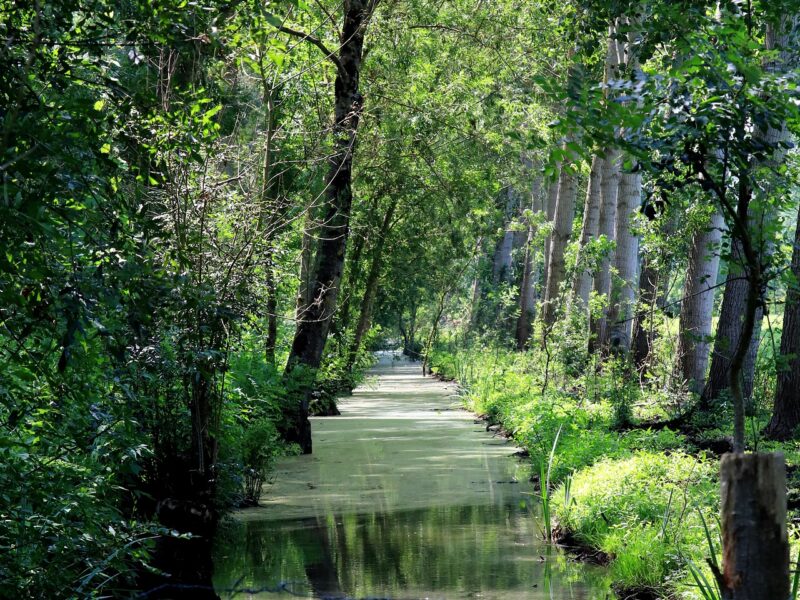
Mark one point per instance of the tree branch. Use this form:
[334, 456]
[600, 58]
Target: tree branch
[318, 43]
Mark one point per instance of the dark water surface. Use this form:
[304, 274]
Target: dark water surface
[404, 497]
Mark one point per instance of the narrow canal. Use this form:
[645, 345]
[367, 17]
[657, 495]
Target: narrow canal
[406, 496]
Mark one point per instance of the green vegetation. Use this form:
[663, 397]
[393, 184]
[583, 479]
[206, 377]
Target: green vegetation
[211, 212]
[640, 498]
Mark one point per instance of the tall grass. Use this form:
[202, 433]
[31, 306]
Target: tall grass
[544, 490]
[713, 591]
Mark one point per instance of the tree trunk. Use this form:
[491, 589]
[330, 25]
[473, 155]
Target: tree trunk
[550, 208]
[624, 287]
[644, 328]
[502, 262]
[698, 303]
[786, 411]
[371, 287]
[564, 214]
[475, 302]
[729, 333]
[312, 329]
[409, 333]
[306, 259]
[589, 231]
[527, 289]
[527, 299]
[352, 277]
[755, 543]
[272, 309]
[609, 192]
[627, 262]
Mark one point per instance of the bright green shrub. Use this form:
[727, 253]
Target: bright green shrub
[644, 511]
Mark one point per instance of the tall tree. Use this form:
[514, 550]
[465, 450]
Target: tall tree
[527, 291]
[562, 229]
[625, 284]
[769, 138]
[609, 192]
[502, 262]
[590, 227]
[550, 212]
[312, 330]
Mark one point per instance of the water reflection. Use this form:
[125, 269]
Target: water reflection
[488, 551]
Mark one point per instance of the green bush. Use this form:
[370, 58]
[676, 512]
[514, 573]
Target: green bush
[643, 511]
[260, 447]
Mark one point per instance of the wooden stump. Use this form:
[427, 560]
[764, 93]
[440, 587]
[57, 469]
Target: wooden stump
[755, 554]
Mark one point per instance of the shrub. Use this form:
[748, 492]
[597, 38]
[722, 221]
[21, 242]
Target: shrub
[643, 512]
[260, 448]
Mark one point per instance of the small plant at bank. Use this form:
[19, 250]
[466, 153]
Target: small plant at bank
[623, 392]
[260, 448]
[708, 590]
[544, 491]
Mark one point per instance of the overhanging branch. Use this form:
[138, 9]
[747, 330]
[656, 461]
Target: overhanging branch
[318, 43]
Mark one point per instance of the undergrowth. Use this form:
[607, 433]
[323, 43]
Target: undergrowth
[640, 497]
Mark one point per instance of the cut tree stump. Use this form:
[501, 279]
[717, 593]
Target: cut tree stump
[755, 545]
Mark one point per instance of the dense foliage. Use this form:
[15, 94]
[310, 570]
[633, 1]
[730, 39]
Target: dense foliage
[213, 211]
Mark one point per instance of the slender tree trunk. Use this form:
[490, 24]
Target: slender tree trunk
[312, 330]
[643, 329]
[352, 277]
[552, 201]
[527, 299]
[729, 333]
[609, 191]
[475, 303]
[371, 287]
[306, 260]
[272, 308]
[624, 287]
[623, 296]
[786, 411]
[527, 291]
[434, 332]
[502, 262]
[698, 303]
[589, 231]
[556, 271]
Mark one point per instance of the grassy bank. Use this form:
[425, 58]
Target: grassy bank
[644, 499]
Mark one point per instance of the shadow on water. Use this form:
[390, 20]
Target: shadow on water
[448, 552]
[406, 496]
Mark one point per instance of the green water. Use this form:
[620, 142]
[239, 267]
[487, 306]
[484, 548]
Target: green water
[405, 496]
